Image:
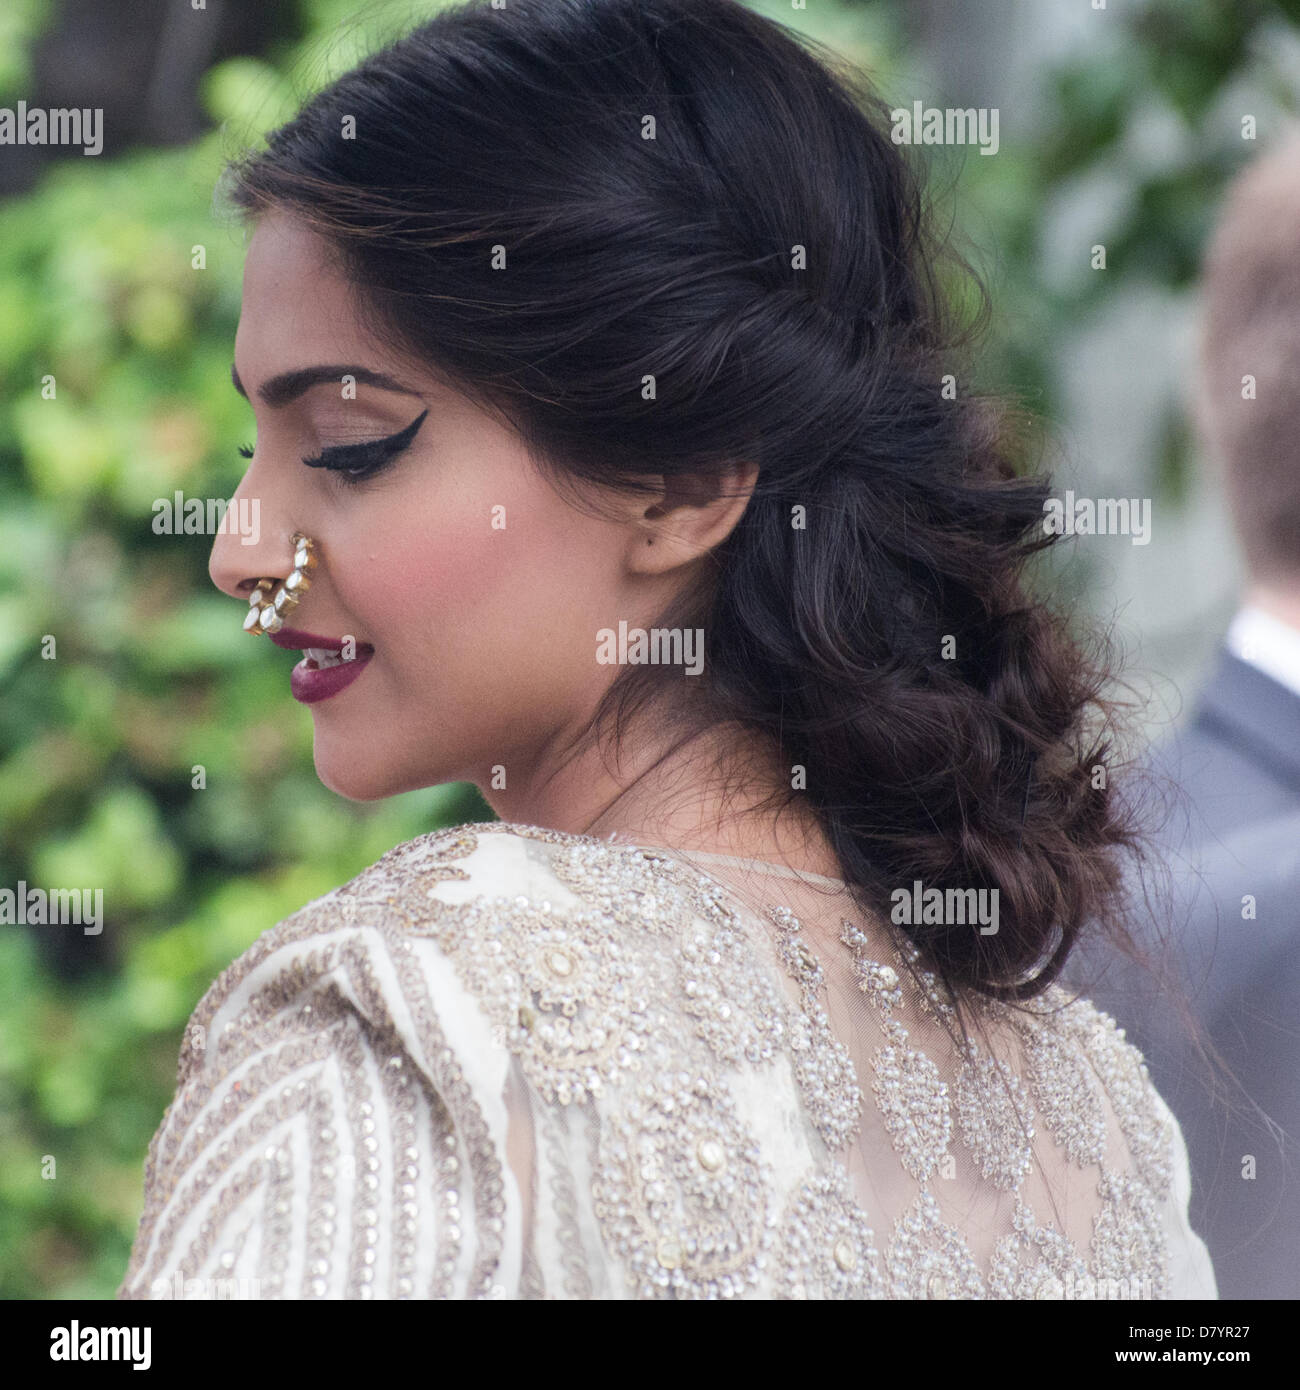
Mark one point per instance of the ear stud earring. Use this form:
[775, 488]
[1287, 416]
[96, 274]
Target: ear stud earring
[267, 611]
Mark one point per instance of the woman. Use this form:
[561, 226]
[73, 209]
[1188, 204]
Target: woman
[605, 460]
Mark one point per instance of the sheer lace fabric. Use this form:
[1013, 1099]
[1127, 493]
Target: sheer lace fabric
[509, 1062]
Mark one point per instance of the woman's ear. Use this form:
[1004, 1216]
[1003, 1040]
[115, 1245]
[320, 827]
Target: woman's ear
[692, 515]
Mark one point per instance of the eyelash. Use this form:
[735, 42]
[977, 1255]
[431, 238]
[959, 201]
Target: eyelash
[354, 463]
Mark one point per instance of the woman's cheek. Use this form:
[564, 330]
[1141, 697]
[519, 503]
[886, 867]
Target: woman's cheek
[419, 569]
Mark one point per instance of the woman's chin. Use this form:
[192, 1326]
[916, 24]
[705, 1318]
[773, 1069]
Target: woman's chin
[349, 775]
[360, 774]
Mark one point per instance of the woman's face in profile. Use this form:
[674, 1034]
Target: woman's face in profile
[472, 591]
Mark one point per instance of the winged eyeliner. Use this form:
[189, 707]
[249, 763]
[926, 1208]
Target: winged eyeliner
[372, 454]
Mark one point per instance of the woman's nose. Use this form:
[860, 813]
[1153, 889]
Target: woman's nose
[242, 555]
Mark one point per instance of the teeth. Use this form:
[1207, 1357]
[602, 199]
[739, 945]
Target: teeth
[323, 656]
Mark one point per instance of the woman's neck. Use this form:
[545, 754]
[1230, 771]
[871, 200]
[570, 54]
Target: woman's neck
[706, 796]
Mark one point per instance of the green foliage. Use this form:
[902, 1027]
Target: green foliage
[1139, 132]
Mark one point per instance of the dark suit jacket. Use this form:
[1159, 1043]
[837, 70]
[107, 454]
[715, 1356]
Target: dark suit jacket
[1234, 849]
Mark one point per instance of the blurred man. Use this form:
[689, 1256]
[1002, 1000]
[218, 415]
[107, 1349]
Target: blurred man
[1235, 844]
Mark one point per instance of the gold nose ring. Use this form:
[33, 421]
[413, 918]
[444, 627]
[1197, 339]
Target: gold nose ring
[267, 611]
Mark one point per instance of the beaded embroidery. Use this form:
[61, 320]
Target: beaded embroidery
[336, 1133]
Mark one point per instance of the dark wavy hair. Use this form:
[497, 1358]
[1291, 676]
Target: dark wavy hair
[762, 250]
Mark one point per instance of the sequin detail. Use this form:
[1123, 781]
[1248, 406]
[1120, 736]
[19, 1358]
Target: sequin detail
[828, 1250]
[928, 1259]
[992, 1112]
[682, 1192]
[822, 1063]
[1066, 1099]
[342, 1105]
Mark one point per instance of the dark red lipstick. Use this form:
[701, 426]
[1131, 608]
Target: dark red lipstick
[324, 670]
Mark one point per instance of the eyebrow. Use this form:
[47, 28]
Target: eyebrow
[288, 386]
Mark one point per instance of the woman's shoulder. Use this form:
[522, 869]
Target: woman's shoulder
[574, 951]
[349, 1027]
[383, 1021]
[491, 939]
[394, 1015]
[425, 930]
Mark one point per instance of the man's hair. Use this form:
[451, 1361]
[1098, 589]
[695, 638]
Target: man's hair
[1251, 329]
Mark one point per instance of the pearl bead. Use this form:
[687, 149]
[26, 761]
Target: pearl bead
[710, 1154]
[669, 1253]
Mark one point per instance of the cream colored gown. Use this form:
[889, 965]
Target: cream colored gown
[508, 1062]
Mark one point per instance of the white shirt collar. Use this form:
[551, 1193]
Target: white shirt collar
[1266, 643]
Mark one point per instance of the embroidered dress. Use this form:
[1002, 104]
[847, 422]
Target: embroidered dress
[510, 1062]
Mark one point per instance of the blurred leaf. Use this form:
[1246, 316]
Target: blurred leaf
[121, 849]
